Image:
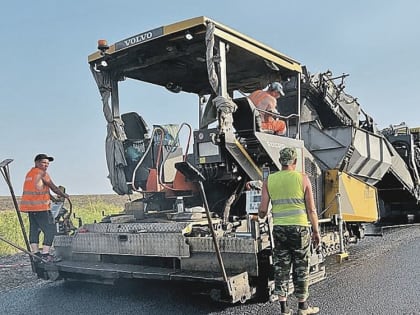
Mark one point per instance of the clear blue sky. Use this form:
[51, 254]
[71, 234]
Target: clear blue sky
[50, 103]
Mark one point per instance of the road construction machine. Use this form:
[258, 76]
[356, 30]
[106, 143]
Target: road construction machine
[188, 210]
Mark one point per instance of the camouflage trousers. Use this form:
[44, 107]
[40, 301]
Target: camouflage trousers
[291, 254]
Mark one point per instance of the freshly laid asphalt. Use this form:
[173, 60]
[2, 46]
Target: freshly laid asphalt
[381, 276]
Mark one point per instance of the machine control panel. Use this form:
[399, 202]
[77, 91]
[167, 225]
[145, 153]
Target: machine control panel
[253, 200]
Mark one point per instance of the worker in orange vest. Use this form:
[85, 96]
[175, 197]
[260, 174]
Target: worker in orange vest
[37, 203]
[267, 101]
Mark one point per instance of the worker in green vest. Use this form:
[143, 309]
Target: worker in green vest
[293, 203]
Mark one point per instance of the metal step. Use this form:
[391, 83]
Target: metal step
[129, 271]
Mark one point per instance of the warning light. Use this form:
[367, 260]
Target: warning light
[103, 45]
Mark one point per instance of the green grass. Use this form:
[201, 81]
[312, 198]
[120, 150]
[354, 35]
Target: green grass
[11, 231]
[10, 228]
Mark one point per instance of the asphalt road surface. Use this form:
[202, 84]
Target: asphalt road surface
[382, 276]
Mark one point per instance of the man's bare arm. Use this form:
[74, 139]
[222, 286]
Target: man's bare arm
[53, 187]
[311, 210]
[265, 199]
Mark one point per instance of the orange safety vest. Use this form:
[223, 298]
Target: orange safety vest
[257, 96]
[34, 199]
[268, 123]
[278, 126]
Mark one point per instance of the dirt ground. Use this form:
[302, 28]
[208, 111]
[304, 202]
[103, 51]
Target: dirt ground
[15, 271]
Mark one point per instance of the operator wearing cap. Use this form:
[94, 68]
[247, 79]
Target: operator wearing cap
[267, 101]
[293, 203]
[37, 203]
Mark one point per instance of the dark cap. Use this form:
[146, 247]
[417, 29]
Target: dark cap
[43, 156]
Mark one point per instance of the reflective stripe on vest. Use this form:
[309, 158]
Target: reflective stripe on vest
[287, 201]
[33, 192]
[34, 202]
[287, 213]
[287, 198]
[34, 199]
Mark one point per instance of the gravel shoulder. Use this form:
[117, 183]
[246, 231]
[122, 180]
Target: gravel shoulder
[16, 271]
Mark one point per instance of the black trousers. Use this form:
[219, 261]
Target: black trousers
[41, 221]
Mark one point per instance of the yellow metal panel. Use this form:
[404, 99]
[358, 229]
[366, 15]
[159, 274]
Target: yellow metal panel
[250, 160]
[97, 55]
[227, 34]
[261, 50]
[168, 29]
[238, 39]
[358, 199]
[184, 25]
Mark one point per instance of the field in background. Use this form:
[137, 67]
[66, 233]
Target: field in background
[88, 207]
[79, 201]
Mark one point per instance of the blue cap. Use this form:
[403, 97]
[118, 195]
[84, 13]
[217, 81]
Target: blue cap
[276, 86]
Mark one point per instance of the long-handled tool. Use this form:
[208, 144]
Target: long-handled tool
[32, 255]
[4, 168]
[194, 175]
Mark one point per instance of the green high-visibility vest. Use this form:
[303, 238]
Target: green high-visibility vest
[287, 198]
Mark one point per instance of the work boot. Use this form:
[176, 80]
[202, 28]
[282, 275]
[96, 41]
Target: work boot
[309, 310]
[284, 308]
[37, 258]
[50, 258]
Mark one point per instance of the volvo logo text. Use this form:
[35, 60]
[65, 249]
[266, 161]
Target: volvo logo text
[138, 39]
